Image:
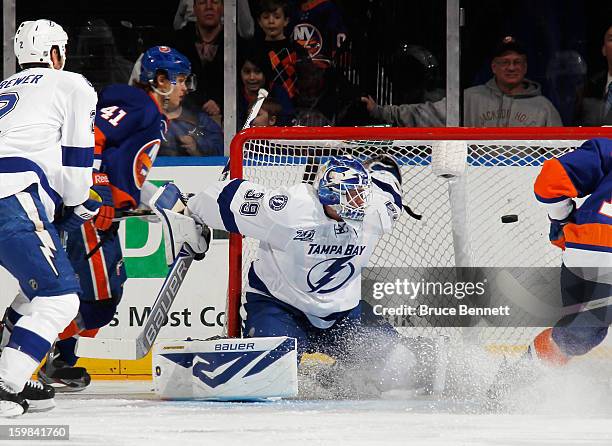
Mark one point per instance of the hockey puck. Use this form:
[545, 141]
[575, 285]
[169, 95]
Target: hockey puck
[510, 218]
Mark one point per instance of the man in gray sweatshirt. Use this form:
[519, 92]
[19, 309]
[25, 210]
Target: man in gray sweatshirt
[506, 100]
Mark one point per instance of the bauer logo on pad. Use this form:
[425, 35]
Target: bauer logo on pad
[227, 369]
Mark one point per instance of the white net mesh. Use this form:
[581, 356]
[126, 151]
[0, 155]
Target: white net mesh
[461, 224]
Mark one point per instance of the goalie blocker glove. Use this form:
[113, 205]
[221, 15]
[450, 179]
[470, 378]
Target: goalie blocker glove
[179, 226]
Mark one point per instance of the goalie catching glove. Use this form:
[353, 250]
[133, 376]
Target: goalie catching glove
[179, 227]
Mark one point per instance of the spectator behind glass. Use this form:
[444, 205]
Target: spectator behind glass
[316, 102]
[184, 14]
[506, 100]
[597, 103]
[283, 55]
[566, 76]
[202, 42]
[415, 75]
[97, 58]
[205, 36]
[253, 76]
[191, 132]
[320, 30]
[323, 92]
[268, 114]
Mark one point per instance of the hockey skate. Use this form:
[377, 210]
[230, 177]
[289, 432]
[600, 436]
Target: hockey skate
[11, 403]
[61, 376]
[39, 396]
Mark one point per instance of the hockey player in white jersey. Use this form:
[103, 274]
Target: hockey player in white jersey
[46, 157]
[314, 242]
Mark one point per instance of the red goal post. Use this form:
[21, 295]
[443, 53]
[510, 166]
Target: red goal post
[279, 147]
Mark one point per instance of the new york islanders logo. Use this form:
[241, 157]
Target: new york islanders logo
[143, 161]
[309, 37]
[330, 275]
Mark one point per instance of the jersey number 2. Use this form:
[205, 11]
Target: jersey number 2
[7, 103]
[112, 114]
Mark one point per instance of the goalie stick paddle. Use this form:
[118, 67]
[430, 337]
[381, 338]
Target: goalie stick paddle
[262, 94]
[139, 347]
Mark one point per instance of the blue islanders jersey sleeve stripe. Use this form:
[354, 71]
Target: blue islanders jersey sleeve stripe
[77, 156]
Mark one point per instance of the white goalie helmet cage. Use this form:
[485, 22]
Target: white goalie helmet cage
[34, 40]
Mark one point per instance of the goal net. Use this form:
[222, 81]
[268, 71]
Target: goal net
[462, 181]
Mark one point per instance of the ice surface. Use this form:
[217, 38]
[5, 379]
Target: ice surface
[127, 413]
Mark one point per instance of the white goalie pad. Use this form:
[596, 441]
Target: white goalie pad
[449, 158]
[226, 369]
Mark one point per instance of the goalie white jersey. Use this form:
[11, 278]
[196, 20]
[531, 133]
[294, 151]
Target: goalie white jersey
[46, 135]
[305, 258]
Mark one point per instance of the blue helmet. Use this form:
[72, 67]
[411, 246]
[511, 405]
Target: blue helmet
[344, 184]
[168, 60]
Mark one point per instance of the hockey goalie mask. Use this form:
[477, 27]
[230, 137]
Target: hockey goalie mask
[169, 61]
[344, 184]
[34, 40]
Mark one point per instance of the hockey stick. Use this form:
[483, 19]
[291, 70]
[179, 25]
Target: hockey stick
[262, 94]
[119, 216]
[139, 347]
[136, 213]
[517, 293]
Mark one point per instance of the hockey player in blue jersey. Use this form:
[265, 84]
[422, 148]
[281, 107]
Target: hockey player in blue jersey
[46, 157]
[129, 127]
[585, 235]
